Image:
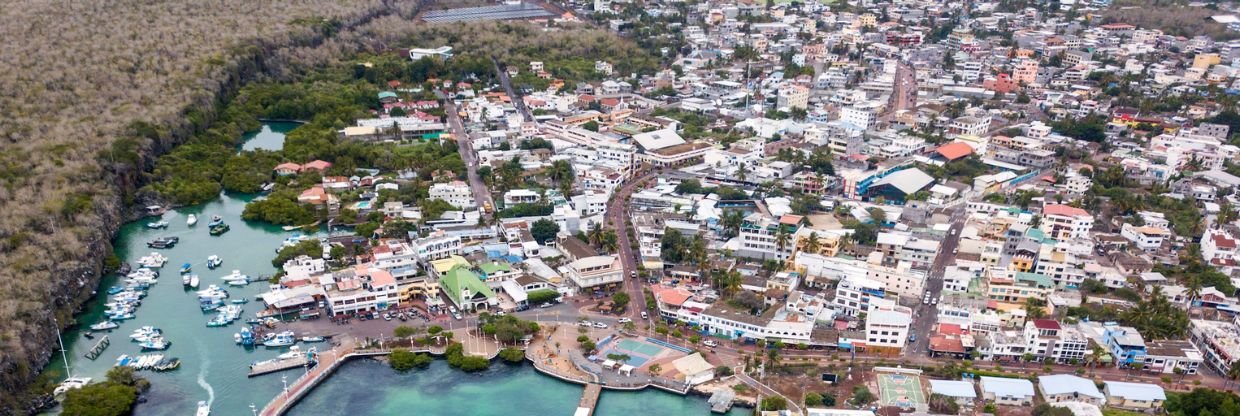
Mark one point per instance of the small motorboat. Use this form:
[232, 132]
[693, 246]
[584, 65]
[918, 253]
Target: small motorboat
[163, 242]
[204, 409]
[71, 383]
[218, 229]
[157, 224]
[185, 268]
[312, 339]
[239, 301]
[193, 281]
[215, 220]
[123, 360]
[156, 344]
[104, 326]
[214, 261]
[153, 260]
[191, 220]
[88, 335]
[282, 339]
[167, 364]
[237, 276]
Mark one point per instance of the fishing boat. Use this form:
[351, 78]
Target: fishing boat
[215, 220]
[167, 364]
[115, 289]
[282, 339]
[153, 260]
[145, 333]
[163, 242]
[157, 224]
[104, 326]
[156, 344]
[214, 261]
[191, 220]
[204, 409]
[219, 229]
[240, 301]
[245, 337]
[70, 383]
[313, 339]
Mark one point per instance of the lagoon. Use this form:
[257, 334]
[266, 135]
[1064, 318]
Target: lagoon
[270, 137]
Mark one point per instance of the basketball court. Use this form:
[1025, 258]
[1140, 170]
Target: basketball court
[901, 390]
[639, 352]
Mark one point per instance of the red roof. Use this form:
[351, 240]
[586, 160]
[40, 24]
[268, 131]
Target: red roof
[949, 344]
[1046, 324]
[317, 165]
[950, 329]
[954, 150]
[1064, 210]
[1221, 241]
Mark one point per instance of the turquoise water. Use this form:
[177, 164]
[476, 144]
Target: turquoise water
[368, 387]
[270, 137]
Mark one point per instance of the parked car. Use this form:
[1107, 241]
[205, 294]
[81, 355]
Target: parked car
[644, 315]
[586, 324]
[600, 325]
[625, 320]
[710, 343]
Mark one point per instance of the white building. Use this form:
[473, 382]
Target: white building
[1069, 388]
[438, 245]
[360, 289]
[887, 325]
[1063, 222]
[456, 193]
[1007, 391]
[443, 52]
[589, 272]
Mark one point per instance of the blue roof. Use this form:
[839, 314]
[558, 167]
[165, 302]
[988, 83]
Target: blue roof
[953, 388]
[1007, 387]
[1135, 391]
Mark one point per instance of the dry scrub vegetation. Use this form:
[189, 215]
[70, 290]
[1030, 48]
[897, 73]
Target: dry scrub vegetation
[1173, 17]
[74, 78]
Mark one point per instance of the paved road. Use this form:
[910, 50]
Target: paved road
[925, 314]
[481, 194]
[618, 219]
[516, 98]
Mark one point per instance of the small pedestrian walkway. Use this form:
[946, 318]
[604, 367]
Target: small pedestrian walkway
[589, 399]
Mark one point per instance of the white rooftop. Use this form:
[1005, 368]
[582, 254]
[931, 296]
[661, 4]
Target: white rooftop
[1068, 384]
[1007, 387]
[953, 388]
[1135, 391]
[658, 139]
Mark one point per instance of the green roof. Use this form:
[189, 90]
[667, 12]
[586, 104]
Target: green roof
[1037, 278]
[459, 279]
[495, 266]
[386, 94]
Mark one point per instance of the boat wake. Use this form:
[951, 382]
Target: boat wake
[202, 375]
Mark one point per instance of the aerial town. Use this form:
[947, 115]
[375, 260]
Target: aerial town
[826, 209]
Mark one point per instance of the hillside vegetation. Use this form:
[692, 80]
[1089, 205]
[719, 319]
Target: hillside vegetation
[1173, 17]
[90, 93]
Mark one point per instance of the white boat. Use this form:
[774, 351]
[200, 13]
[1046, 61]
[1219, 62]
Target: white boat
[193, 281]
[191, 220]
[312, 339]
[236, 275]
[71, 383]
[157, 224]
[282, 339]
[153, 260]
[204, 409]
[214, 261]
[104, 326]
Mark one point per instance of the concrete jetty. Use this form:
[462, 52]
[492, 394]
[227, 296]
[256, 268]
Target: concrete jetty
[271, 366]
[589, 399]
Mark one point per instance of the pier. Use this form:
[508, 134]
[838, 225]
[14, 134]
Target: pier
[100, 345]
[272, 366]
[589, 399]
[721, 400]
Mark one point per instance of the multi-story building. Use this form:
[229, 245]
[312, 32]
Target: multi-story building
[1145, 238]
[764, 237]
[595, 272]
[900, 279]
[887, 325]
[363, 288]
[853, 294]
[438, 245]
[1014, 287]
[1125, 344]
[1166, 356]
[793, 96]
[1063, 222]
[456, 193]
[791, 322]
[1048, 340]
[1219, 247]
[1219, 343]
[1025, 71]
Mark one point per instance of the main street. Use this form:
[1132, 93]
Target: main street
[924, 314]
[618, 219]
[479, 188]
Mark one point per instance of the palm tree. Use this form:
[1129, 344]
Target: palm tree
[1193, 284]
[609, 242]
[595, 235]
[731, 222]
[811, 244]
[1095, 356]
[741, 172]
[781, 238]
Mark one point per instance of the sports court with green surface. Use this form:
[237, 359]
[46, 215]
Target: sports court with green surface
[639, 352]
[901, 390]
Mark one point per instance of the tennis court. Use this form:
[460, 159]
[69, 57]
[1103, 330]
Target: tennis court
[639, 352]
[901, 390]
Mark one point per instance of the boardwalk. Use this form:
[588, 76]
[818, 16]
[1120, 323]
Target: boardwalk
[279, 365]
[328, 362]
[589, 398]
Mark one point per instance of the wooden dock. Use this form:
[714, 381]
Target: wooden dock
[589, 399]
[272, 366]
[100, 345]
